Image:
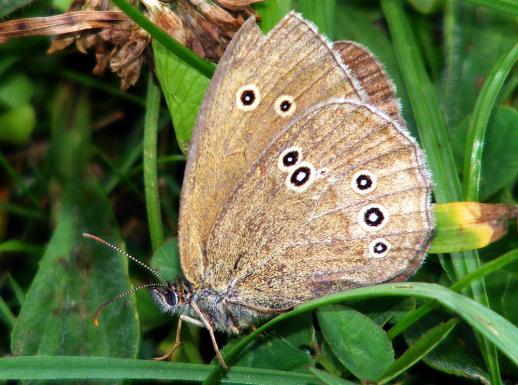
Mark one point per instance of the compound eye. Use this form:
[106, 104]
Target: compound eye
[248, 97]
[171, 298]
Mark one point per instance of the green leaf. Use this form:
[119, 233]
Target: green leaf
[298, 331]
[166, 260]
[75, 275]
[16, 91]
[8, 6]
[457, 354]
[16, 125]
[183, 88]
[475, 38]
[418, 350]
[329, 379]
[360, 345]
[273, 353]
[499, 165]
[499, 162]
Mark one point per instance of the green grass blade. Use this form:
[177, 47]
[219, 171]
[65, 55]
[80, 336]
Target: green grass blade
[22, 211]
[167, 41]
[464, 282]
[435, 140]
[484, 106]
[18, 180]
[16, 288]
[491, 325]
[17, 246]
[322, 13]
[272, 11]
[154, 217]
[107, 368]
[417, 351]
[424, 103]
[6, 314]
[509, 7]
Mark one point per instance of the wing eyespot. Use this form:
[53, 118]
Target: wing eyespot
[285, 106]
[379, 248]
[301, 177]
[373, 217]
[248, 97]
[289, 158]
[364, 182]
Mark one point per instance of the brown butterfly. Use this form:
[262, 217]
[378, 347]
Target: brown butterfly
[301, 181]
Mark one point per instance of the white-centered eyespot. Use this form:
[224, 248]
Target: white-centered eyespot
[379, 248]
[285, 105]
[248, 97]
[301, 177]
[290, 158]
[364, 182]
[373, 217]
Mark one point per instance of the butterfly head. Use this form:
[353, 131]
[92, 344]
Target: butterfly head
[170, 297]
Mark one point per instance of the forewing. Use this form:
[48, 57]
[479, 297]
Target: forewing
[292, 61]
[277, 243]
[379, 88]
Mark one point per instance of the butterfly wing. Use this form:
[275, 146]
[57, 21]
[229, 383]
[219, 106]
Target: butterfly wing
[243, 110]
[380, 90]
[339, 199]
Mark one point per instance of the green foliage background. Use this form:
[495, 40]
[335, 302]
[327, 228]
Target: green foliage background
[77, 155]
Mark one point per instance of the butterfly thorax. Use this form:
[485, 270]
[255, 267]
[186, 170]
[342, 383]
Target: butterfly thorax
[226, 316]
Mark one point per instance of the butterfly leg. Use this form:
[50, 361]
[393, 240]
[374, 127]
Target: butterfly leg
[211, 333]
[234, 323]
[177, 342]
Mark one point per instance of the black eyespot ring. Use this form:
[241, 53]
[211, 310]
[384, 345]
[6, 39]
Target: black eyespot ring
[379, 247]
[248, 97]
[300, 176]
[363, 182]
[285, 106]
[291, 158]
[373, 216]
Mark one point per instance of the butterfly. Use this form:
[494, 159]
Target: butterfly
[301, 181]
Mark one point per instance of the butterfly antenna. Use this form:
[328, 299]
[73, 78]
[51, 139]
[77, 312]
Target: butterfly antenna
[142, 264]
[119, 296]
